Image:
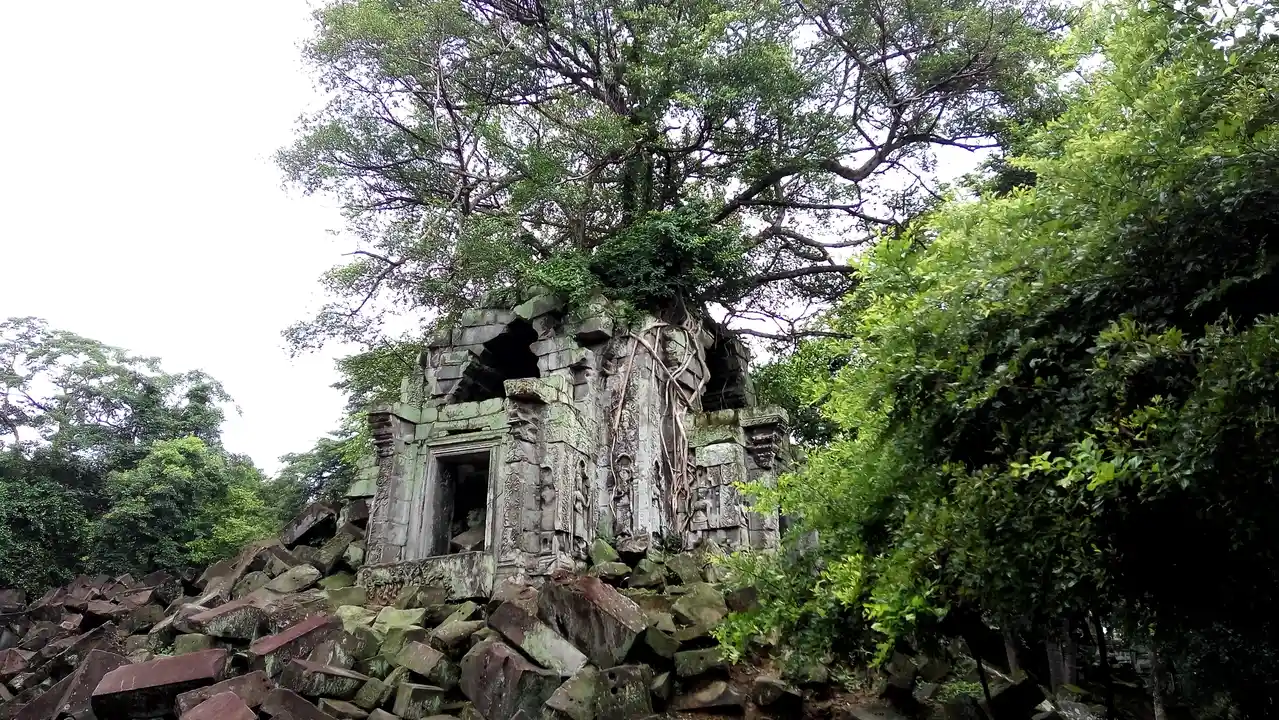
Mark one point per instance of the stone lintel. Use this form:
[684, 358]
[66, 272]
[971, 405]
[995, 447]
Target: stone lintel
[464, 575]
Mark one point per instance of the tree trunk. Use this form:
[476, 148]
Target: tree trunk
[1104, 665]
[1060, 648]
[986, 689]
[1157, 684]
[1010, 650]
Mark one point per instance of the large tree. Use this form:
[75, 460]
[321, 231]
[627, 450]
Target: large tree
[109, 463]
[713, 151]
[98, 403]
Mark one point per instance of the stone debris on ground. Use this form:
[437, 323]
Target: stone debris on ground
[286, 630]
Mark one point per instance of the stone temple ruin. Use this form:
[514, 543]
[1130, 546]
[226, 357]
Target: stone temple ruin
[526, 433]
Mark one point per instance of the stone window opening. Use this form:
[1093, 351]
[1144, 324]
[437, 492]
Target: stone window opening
[506, 357]
[464, 488]
[727, 386]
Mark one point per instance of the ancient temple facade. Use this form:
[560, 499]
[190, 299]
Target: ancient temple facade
[527, 432]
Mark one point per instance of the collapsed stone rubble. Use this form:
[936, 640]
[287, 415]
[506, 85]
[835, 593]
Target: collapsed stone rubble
[303, 642]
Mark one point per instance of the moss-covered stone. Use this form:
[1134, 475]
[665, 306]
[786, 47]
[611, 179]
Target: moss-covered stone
[690, 663]
[337, 580]
[702, 604]
[191, 642]
[603, 552]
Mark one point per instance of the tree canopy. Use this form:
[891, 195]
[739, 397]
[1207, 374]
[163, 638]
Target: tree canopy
[715, 151]
[1060, 401]
[110, 464]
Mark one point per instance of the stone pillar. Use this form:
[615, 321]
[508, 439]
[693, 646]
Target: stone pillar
[520, 484]
[634, 470]
[391, 514]
[545, 480]
[767, 448]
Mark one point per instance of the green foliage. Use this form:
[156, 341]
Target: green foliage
[94, 401]
[244, 513]
[374, 376]
[567, 274]
[43, 525]
[112, 464]
[324, 472]
[159, 508]
[956, 688]
[670, 254]
[809, 600]
[785, 382]
[1065, 401]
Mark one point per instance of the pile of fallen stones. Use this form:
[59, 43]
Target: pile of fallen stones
[283, 631]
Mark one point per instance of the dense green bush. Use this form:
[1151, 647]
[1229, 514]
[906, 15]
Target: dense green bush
[1061, 402]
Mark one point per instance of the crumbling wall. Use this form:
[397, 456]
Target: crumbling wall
[594, 434]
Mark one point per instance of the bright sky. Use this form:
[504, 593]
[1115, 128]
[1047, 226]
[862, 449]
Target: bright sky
[139, 205]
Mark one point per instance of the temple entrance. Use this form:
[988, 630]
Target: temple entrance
[464, 489]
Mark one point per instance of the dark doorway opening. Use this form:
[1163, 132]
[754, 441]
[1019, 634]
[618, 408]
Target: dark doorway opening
[464, 484]
[506, 357]
[728, 386]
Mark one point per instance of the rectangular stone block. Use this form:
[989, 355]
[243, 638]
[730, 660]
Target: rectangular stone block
[77, 700]
[252, 689]
[149, 689]
[500, 682]
[315, 680]
[593, 616]
[288, 705]
[418, 701]
[313, 520]
[547, 647]
[270, 654]
[238, 620]
[46, 704]
[224, 706]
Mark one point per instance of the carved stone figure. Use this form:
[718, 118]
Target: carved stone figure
[624, 479]
[581, 532]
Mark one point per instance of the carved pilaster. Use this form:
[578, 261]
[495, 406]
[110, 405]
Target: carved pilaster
[766, 438]
[382, 426]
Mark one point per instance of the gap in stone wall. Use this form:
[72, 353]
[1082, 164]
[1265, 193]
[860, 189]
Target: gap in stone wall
[506, 357]
[726, 387]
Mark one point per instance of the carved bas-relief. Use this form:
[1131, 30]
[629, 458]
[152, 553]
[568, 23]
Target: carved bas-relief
[525, 433]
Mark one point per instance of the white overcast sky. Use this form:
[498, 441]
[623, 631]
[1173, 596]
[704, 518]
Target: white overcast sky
[139, 204]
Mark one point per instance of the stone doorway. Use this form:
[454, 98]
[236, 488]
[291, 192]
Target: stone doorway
[455, 514]
[464, 484]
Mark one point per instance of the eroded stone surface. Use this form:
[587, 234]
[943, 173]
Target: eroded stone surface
[417, 701]
[597, 619]
[223, 706]
[289, 705]
[711, 695]
[310, 522]
[239, 619]
[316, 680]
[76, 702]
[624, 692]
[576, 697]
[252, 689]
[500, 682]
[547, 647]
[149, 689]
[271, 653]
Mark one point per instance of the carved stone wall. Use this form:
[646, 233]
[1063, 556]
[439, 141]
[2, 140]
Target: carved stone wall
[599, 432]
